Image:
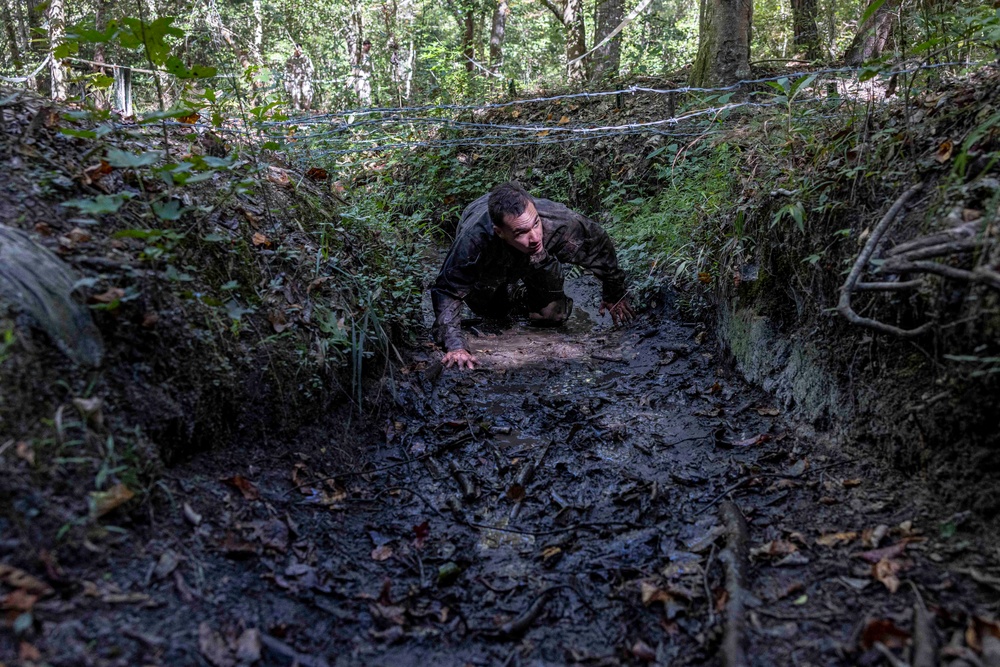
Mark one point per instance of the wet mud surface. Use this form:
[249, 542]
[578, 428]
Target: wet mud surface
[559, 505]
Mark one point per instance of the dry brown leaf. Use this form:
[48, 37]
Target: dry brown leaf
[515, 493]
[833, 539]
[260, 240]
[876, 555]
[19, 601]
[643, 651]
[279, 177]
[768, 412]
[113, 294]
[884, 631]
[944, 152]
[28, 653]
[704, 277]
[18, 578]
[244, 485]
[78, 235]
[543, 133]
[651, 593]
[516, 113]
[851, 483]
[382, 553]
[213, 647]
[95, 172]
[564, 120]
[103, 502]
[774, 548]
[25, 452]
[317, 174]
[885, 571]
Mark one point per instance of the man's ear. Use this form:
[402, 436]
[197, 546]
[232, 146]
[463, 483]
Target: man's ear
[497, 231]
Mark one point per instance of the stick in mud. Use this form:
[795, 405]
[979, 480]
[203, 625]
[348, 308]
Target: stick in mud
[735, 558]
[469, 490]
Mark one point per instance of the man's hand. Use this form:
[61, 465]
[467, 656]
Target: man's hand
[621, 312]
[459, 358]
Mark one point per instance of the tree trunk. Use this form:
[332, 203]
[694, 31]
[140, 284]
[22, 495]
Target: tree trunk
[723, 43]
[806, 34]
[33, 28]
[606, 60]
[874, 35]
[57, 28]
[497, 34]
[256, 49]
[468, 39]
[10, 30]
[576, 40]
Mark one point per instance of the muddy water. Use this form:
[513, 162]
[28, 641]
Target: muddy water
[440, 549]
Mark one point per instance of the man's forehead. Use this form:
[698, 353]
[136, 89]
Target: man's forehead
[526, 219]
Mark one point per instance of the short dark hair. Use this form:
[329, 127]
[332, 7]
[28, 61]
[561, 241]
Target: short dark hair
[508, 199]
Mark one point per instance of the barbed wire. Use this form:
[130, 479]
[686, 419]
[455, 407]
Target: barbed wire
[27, 77]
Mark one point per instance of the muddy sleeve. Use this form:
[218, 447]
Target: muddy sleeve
[453, 284]
[586, 244]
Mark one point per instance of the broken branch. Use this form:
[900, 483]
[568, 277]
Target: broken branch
[735, 558]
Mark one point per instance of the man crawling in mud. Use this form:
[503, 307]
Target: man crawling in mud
[507, 261]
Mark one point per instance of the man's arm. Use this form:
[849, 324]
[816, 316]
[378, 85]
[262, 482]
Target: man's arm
[457, 277]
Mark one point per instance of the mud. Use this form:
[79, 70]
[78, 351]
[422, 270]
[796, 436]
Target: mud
[555, 506]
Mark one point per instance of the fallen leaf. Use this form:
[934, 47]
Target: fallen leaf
[884, 631]
[651, 593]
[28, 653]
[77, 235]
[25, 452]
[944, 152]
[260, 240]
[851, 483]
[20, 601]
[564, 120]
[382, 553]
[551, 555]
[248, 647]
[244, 486]
[768, 412]
[515, 493]
[103, 502]
[872, 537]
[704, 277]
[876, 555]
[643, 651]
[317, 174]
[94, 173]
[213, 647]
[421, 532]
[543, 133]
[756, 440]
[279, 177]
[516, 113]
[885, 571]
[167, 563]
[773, 549]
[111, 295]
[833, 539]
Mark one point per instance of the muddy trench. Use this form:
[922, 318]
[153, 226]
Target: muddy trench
[559, 505]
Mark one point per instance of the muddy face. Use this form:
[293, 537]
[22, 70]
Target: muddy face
[523, 233]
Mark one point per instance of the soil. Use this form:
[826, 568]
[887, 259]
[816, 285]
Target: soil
[439, 547]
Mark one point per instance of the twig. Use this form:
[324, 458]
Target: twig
[708, 589]
[898, 286]
[889, 656]
[735, 558]
[844, 305]
[469, 490]
[924, 641]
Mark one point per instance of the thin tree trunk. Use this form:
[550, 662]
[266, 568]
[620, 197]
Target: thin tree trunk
[468, 37]
[256, 50]
[57, 28]
[873, 35]
[497, 34]
[576, 40]
[10, 30]
[33, 29]
[806, 35]
[606, 60]
[101, 11]
[723, 43]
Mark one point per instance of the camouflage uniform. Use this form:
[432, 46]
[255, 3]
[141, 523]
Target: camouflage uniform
[481, 269]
